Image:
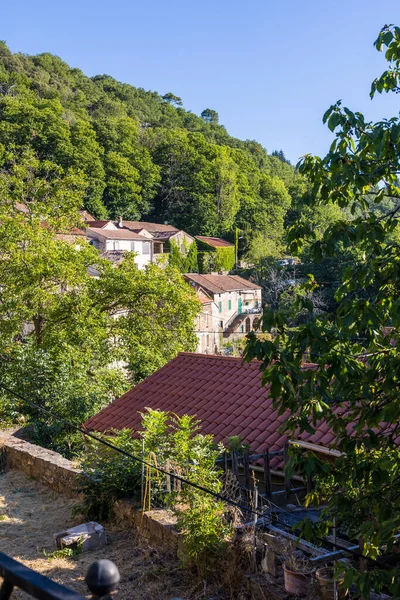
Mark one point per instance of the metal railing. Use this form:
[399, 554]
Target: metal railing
[102, 578]
[243, 313]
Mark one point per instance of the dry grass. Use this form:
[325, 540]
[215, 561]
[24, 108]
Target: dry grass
[29, 516]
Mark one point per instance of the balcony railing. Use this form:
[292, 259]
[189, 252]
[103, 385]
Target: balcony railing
[102, 578]
[244, 311]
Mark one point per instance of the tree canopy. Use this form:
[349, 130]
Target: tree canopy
[75, 330]
[140, 154]
[354, 349]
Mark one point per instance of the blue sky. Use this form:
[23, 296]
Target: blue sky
[270, 69]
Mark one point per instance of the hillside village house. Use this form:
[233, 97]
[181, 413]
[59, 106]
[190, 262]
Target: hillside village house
[231, 306]
[105, 236]
[163, 235]
[147, 240]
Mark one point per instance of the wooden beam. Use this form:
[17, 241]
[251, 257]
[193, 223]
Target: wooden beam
[315, 448]
[330, 556]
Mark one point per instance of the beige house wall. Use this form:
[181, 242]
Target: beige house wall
[215, 321]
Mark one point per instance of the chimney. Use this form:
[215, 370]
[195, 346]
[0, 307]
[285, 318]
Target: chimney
[120, 222]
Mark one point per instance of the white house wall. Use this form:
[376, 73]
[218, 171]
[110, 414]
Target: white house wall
[142, 258]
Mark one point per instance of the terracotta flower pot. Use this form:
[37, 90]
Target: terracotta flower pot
[296, 583]
[325, 579]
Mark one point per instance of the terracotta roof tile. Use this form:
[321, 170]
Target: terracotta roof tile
[215, 242]
[150, 227]
[116, 234]
[97, 224]
[196, 384]
[218, 284]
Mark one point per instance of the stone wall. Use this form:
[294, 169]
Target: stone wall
[47, 467]
[59, 474]
[157, 526]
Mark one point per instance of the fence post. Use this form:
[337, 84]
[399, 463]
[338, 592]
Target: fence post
[287, 479]
[142, 477]
[235, 467]
[267, 475]
[168, 476]
[255, 524]
[226, 461]
[246, 469]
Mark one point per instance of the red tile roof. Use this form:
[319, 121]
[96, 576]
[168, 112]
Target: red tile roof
[117, 234]
[160, 231]
[215, 242]
[150, 227]
[217, 284]
[97, 224]
[223, 392]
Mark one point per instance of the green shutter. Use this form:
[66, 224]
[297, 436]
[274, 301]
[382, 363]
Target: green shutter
[229, 304]
[220, 306]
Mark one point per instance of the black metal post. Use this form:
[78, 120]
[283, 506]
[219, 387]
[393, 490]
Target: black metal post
[267, 475]
[246, 469]
[287, 479]
[6, 590]
[102, 578]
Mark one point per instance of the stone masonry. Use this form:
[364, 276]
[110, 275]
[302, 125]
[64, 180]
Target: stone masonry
[46, 466]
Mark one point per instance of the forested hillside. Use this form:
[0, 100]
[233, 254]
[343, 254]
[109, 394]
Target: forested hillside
[140, 154]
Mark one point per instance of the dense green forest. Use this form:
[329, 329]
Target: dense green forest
[142, 155]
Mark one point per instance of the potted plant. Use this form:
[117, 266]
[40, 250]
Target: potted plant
[297, 572]
[326, 577]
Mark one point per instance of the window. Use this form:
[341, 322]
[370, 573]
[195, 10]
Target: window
[115, 245]
[229, 304]
[241, 328]
[133, 246]
[220, 306]
[146, 247]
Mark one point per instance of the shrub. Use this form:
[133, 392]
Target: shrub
[108, 475]
[175, 444]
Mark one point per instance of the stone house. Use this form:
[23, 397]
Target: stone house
[233, 309]
[163, 235]
[207, 333]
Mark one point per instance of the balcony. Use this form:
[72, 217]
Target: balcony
[238, 317]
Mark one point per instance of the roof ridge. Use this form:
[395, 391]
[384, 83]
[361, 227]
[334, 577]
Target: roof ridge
[218, 357]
